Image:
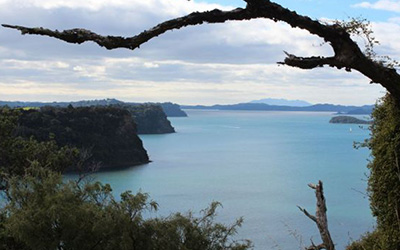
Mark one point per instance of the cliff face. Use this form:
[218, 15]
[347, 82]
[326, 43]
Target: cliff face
[109, 132]
[150, 119]
[172, 109]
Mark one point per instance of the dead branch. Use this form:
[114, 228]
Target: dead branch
[320, 219]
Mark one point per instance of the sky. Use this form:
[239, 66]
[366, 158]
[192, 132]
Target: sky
[208, 64]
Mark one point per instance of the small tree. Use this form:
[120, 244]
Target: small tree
[43, 212]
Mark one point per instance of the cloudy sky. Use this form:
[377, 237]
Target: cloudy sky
[208, 64]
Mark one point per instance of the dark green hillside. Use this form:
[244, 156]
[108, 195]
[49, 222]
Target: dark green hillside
[150, 119]
[109, 132]
[172, 109]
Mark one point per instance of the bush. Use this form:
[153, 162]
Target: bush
[43, 212]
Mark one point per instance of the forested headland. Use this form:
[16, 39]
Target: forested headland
[108, 133]
[170, 109]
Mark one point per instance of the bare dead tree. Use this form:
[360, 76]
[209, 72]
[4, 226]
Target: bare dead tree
[347, 54]
[320, 218]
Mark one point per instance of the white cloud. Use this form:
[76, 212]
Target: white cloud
[151, 65]
[387, 35]
[394, 20]
[264, 32]
[175, 7]
[36, 65]
[224, 63]
[186, 82]
[388, 5]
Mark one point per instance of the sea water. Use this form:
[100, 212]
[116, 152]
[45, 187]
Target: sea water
[258, 165]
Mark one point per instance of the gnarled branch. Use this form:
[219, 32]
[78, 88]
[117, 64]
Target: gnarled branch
[113, 42]
[347, 54]
[310, 62]
[320, 219]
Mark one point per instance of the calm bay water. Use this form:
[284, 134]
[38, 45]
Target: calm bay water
[258, 165]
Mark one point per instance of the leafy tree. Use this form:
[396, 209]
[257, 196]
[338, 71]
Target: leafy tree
[43, 212]
[17, 153]
[149, 118]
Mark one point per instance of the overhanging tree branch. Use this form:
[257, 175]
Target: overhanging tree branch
[310, 62]
[347, 53]
[113, 42]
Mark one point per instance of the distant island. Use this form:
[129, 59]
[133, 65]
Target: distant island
[348, 120]
[366, 109]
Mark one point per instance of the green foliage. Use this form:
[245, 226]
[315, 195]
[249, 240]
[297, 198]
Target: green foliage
[44, 212]
[17, 153]
[150, 118]
[369, 241]
[109, 133]
[384, 179]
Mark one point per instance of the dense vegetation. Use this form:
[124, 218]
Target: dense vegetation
[384, 179]
[170, 109]
[108, 133]
[150, 119]
[40, 211]
[17, 153]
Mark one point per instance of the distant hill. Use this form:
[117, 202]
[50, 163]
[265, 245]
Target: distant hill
[366, 109]
[283, 102]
